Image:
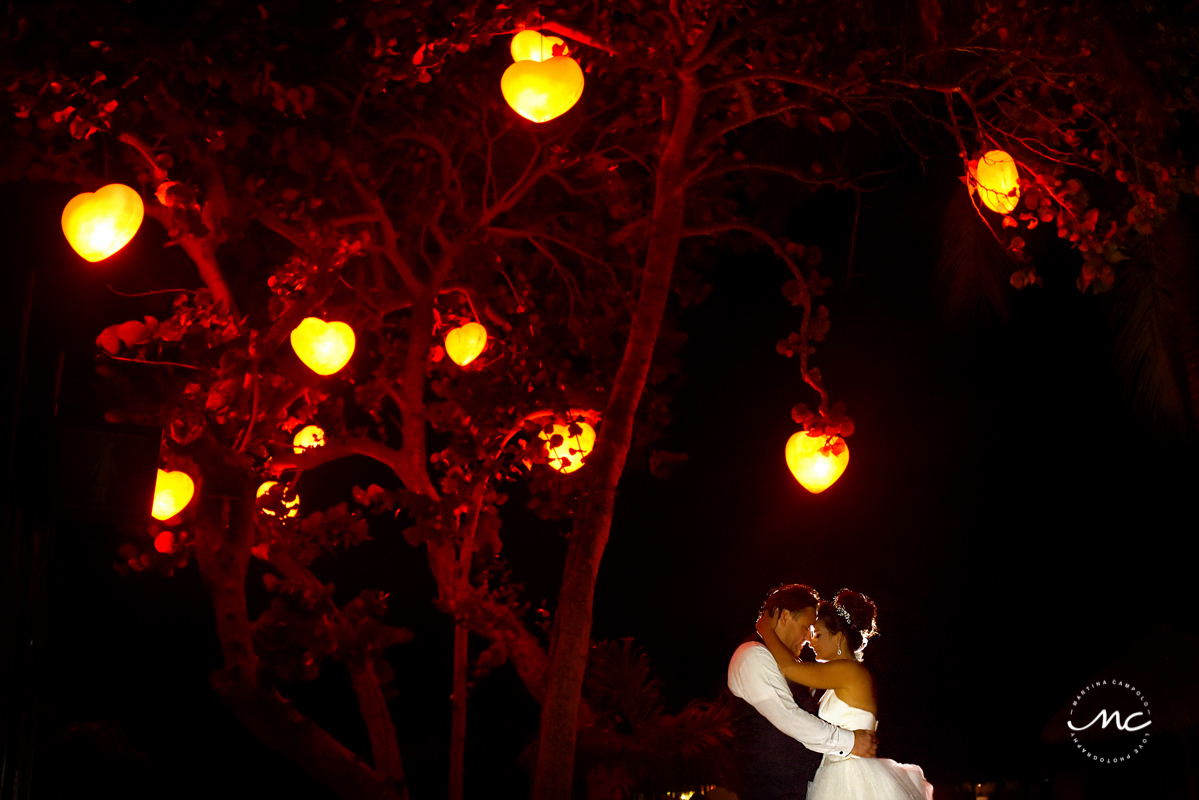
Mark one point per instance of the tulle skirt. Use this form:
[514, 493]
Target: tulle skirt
[869, 779]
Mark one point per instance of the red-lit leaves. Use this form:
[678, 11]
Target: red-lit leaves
[301, 628]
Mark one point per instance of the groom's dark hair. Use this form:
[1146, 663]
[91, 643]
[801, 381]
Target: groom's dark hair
[793, 597]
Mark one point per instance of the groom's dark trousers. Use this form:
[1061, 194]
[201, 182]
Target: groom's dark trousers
[770, 764]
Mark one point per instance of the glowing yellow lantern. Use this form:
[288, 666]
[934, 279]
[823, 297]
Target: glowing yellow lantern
[542, 90]
[463, 345]
[570, 455]
[309, 436]
[998, 181]
[816, 460]
[530, 45]
[324, 347]
[292, 506]
[172, 492]
[99, 223]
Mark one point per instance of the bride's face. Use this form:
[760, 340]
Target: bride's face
[824, 644]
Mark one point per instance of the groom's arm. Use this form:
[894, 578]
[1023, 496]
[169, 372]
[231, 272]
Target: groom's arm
[755, 678]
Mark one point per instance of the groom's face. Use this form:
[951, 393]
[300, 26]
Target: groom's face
[795, 628]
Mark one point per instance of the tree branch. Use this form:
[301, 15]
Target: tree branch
[272, 221]
[742, 120]
[840, 181]
[782, 77]
[334, 451]
[580, 37]
[372, 202]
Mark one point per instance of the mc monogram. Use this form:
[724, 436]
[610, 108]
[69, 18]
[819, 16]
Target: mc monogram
[1122, 713]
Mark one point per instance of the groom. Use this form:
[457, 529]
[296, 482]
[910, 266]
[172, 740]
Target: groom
[777, 743]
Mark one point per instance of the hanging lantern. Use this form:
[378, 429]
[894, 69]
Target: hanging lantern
[998, 181]
[324, 347]
[542, 90]
[816, 460]
[531, 45]
[463, 345]
[309, 436]
[99, 223]
[292, 506]
[172, 492]
[572, 452]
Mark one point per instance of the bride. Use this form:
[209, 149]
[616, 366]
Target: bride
[839, 637]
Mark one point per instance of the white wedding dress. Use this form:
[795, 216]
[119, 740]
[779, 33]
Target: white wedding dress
[853, 778]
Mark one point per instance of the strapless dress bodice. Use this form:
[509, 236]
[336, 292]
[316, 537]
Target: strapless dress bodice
[835, 710]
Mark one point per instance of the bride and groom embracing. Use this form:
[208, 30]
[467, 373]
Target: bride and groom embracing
[779, 733]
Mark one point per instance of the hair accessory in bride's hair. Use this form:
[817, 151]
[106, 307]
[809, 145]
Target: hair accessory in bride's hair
[843, 612]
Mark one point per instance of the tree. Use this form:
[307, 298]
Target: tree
[359, 163]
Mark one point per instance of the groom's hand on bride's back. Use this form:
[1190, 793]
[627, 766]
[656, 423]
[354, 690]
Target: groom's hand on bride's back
[864, 744]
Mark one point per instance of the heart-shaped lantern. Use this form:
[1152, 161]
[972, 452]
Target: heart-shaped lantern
[172, 492]
[571, 451]
[292, 503]
[463, 345]
[816, 460]
[542, 90]
[99, 223]
[998, 182]
[324, 347]
[309, 436]
[530, 45]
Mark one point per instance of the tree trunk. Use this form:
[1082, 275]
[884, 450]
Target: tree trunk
[572, 621]
[462, 592]
[372, 705]
[224, 536]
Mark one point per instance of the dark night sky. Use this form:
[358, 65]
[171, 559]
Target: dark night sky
[1015, 524]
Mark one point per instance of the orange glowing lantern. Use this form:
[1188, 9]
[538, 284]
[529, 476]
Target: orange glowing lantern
[292, 506]
[816, 460]
[172, 492]
[97, 224]
[530, 45]
[998, 182]
[309, 436]
[542, 90]
[324, 347]
[571, 454]
[463, 345]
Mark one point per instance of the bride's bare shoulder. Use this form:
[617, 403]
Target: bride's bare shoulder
[859, 672]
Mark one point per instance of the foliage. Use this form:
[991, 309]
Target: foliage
[633, 746]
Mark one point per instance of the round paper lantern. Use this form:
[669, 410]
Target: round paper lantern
[463, 345]
[99, 223]
[172, 492]
[570, 455]
[531, 45]
[998, 181]
[816, 460]
[542, 90]
[324, 347]
[292, 506]
[309, 436]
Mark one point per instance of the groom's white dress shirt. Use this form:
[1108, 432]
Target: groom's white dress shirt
[755, 677]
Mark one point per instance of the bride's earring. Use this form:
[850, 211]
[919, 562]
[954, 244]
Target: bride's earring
[838, 651]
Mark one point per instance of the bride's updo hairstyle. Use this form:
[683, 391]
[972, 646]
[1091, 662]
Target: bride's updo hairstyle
[853, 614]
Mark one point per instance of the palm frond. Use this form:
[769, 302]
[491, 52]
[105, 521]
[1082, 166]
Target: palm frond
[620, 683]
[1146, 318]
[973, 271]
[632, 731]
